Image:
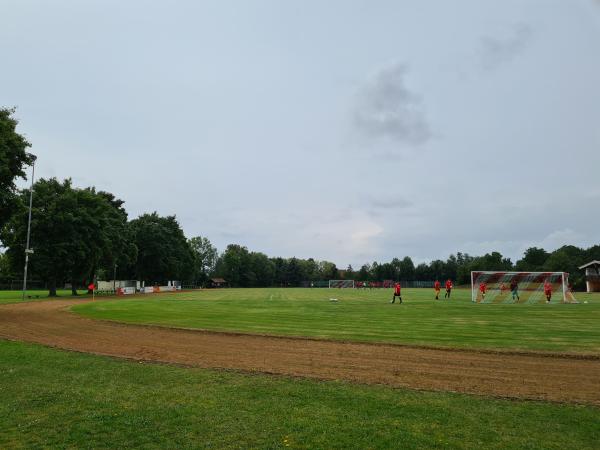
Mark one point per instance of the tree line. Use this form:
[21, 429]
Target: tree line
[81, 234]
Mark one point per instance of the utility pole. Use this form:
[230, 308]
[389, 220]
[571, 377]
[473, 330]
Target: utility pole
[27, 249]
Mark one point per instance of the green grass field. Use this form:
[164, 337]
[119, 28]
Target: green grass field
[58, 399]
[32, 295]
[367, 316]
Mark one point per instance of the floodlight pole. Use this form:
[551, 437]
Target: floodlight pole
[27, 249]
[115, 278]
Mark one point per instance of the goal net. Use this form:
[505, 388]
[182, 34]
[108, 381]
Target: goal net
[341, 283]
[520, 287]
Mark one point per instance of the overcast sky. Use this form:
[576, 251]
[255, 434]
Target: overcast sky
[350, 131]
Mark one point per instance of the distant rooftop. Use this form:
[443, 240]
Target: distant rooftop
[592, 263]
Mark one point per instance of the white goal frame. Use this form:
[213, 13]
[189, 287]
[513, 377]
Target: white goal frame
[525, 277]
[341, 284]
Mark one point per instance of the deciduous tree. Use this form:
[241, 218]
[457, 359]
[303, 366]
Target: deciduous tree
[163, 250]
[13, 159]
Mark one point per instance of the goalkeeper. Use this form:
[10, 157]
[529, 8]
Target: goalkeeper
[514, 289]
[548, 291]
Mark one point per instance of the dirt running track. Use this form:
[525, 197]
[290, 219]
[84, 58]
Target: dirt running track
[531, 376]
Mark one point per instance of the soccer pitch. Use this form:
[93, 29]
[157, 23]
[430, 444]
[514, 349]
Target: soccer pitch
[367, 315]
[63, 399]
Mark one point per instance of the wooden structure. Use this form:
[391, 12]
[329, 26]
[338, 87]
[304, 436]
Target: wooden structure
[218, 282]
[592, 276]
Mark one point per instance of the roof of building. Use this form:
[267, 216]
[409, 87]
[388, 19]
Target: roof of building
[591, 263]
[218, 280]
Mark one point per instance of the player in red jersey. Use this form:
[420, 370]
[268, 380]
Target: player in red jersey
[437, 287]
[548, 291]
[448, 289]
[482, 289]
[397, 293]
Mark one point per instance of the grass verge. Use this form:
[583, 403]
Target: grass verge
[60, 399]
[33, 295]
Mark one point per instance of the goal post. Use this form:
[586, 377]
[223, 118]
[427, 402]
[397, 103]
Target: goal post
[341, 283]
[520, 287]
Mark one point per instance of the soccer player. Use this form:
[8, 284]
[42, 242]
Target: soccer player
[436, 287]
[448, 289]
[548, 291]
[502, 288]
[514, 289]
[397, 293]
[482, 289]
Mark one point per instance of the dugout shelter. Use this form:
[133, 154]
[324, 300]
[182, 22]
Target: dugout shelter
[592, 276]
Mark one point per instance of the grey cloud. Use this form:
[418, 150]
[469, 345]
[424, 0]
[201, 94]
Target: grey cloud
[387, 108]
[389, 202]
[380, 206]
[496, 51]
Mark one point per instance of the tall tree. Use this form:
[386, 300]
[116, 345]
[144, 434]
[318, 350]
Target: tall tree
[119, 249]
[262, 268]
[311, 269]
[72, 230]
[281, 271]
[491, 261]
[463, 269]
[205, 258]
[568, 258]
[437, 270]
[364, 272]
[5, 268]
[295, 275]
[163, 250]
[533, 260]
[13, 159]
[422, 273]
[349, 272]
[235, 266]
[328, 271]
[407, 269]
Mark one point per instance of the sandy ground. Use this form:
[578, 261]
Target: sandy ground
[530, 376]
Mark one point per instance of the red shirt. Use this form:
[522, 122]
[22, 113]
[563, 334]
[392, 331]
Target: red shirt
[436, 285]
[91, 286]
[448, 284]
[547, 288]
[482, 287]
[397, 289]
